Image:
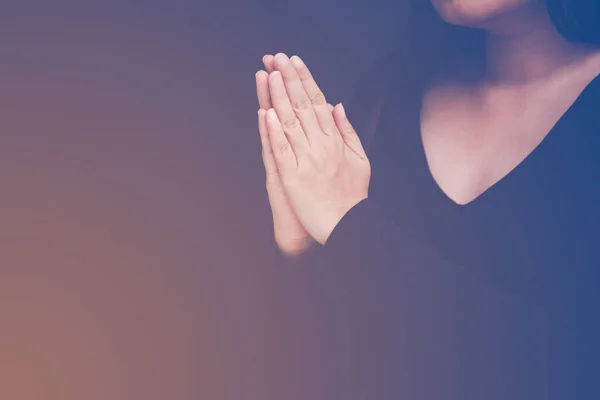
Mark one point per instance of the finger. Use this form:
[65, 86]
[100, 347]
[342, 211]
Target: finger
[298, 98]
[316, 97]
[262, 89]
[269, 61]
[267, 151]
[285, 113]
[330, 106]
[351, 138]
[282, 149]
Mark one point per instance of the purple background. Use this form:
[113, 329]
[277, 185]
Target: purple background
[134, 224]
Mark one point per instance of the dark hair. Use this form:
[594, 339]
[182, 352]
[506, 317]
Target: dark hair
[435, 47]
[577, 20]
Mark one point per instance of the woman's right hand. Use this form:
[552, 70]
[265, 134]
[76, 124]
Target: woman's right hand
[289, 234]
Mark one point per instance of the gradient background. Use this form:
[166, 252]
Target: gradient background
[134, 224]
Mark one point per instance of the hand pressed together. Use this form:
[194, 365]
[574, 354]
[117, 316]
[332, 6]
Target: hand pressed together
[289, 234]
[320, 163]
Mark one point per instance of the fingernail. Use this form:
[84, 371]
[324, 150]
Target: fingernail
[271, 115]
[281, 58]
[297, 61]
[274, 74]
[342, 110]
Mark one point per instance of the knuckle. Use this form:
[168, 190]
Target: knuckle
[266, 154]
[284, 148]
[349, 129]
[318, 99]
[290, 123]
[303, 74]
[302, 104]
[329, 130]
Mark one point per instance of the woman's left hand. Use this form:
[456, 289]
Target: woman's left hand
[322, 164]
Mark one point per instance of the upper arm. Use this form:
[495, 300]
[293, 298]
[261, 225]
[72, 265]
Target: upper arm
[369, 95]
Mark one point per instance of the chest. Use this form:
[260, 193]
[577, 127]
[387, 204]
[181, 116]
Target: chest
[528, 228]
[472, 141]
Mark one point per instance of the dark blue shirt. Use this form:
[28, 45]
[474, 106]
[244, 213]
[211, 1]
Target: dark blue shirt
[417, 298]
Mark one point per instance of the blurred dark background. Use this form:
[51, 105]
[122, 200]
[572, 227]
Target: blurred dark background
[134, 224]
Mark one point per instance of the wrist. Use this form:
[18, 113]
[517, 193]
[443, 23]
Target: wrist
[338, 218]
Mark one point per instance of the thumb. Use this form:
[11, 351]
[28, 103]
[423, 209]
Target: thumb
[348, 133]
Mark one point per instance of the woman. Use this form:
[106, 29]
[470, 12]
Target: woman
[453, 249]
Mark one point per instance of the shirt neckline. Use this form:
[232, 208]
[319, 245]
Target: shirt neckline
[535, 154]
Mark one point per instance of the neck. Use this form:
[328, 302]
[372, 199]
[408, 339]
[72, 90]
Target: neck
[529, 49]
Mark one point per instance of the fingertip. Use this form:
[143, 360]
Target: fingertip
[281, 60]
[297, 61]
[274, 75]
[335, 110]
[268, 63]
[272, 115]
[342, 110]
[280, 56]
[338, 111]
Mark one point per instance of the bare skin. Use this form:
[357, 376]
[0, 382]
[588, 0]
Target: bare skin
[289, 234]
[474, 136]
[321, 164]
